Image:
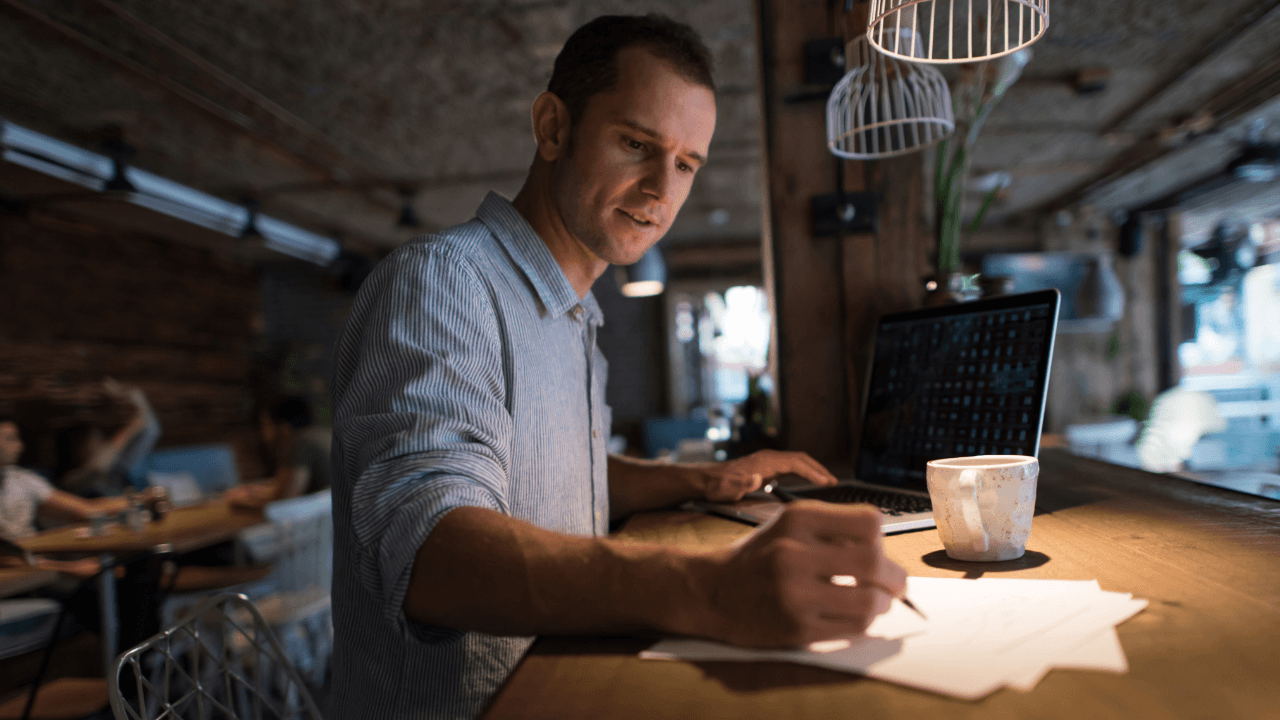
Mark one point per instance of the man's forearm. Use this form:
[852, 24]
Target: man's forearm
[636, 485]
[484, 571]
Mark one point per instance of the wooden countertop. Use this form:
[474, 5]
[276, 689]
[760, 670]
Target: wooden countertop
[185, 529]
[1207, 646]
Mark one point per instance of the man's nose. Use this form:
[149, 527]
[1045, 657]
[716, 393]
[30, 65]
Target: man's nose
[659, 181]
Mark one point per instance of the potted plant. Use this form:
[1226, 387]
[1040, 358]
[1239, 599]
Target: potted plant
[977, 93]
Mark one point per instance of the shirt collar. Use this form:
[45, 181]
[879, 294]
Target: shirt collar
[533, 257]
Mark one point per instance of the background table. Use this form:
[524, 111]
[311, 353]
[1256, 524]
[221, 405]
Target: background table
[182, 530]
[1207, 646]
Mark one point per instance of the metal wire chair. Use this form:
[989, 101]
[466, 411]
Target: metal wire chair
[220, 661]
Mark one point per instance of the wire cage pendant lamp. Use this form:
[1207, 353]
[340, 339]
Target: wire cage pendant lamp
[885, 107]
[956, 31]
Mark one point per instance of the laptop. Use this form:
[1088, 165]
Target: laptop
[963, 379]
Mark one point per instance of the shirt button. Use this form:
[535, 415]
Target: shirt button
[595, 434]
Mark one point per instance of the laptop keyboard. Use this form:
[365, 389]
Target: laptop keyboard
[890, 503]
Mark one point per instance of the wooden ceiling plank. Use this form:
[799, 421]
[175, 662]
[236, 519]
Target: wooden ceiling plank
[1225, 38]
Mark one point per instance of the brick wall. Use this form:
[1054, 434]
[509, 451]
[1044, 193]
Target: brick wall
[303, 310]
[80, 303]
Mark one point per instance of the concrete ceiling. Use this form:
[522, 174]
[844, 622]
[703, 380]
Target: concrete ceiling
[323, 110]
[1187, 79]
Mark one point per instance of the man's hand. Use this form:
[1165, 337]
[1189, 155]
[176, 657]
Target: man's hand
[648, 484]
[728, 481]
[255, 494]
[118, 390]
[774, 588]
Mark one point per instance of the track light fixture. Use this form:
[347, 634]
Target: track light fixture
[250, 229]
[120, 153]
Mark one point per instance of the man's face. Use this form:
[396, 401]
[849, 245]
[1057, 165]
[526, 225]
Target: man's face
[634, 153]
[10, 444]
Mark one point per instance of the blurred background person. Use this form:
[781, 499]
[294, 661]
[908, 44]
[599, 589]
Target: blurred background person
[297, 453]
[24, 494]
[92, 465]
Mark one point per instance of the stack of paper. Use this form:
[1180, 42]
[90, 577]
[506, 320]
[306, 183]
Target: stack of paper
[980, 635]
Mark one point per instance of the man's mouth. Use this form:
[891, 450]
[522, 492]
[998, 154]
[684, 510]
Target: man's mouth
[639, 218]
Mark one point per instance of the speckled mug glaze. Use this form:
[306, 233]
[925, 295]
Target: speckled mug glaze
[983, 504]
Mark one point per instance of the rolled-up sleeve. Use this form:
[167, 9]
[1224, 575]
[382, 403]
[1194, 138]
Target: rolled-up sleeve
[421, 424]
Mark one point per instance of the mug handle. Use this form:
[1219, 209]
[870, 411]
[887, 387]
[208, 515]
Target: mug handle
[969, 509]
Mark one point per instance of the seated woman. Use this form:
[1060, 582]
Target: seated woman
[23, 494]
[297, 451]
[93, 465]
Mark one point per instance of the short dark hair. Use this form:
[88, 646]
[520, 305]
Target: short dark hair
[291, 409]
[588, 62]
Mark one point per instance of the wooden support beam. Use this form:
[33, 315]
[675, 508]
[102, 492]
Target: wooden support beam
[828, 292]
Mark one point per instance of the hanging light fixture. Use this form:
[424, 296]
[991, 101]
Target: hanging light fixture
[885, 107]
[646, 277]
[956, 31]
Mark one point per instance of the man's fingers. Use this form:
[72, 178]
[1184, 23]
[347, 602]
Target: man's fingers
[831, 524]
[835, 541]
[814, 471]
[798, 463]
[854, 566]
[833, 611]
[891, 576]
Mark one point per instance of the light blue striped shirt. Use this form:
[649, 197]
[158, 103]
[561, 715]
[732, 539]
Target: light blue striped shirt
[466, 375]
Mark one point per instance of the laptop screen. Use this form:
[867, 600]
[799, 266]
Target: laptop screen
[964, 379]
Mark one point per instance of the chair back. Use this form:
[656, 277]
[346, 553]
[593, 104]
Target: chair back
[212, 465]
[26, 625]
[220, 661]
[303, 552]
[665, 433]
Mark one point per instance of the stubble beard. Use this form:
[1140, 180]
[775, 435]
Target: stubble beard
[566, 195]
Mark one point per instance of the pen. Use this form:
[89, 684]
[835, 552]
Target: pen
[787, 496]
[907, 601]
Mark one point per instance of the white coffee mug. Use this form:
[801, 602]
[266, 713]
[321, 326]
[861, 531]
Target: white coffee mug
[983, 504]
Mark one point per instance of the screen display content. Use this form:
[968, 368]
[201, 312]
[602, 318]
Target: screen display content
[968, 383]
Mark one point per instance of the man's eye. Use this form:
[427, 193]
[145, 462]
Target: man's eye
[682, 167]
[635, 144]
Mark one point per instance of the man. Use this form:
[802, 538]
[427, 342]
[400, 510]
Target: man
[472, 486]
[23, 494]
[298, 452]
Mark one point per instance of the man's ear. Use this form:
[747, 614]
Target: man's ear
[551, 126]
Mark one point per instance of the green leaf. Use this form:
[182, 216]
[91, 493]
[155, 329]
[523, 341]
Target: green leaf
[982, 211]
[939, 190]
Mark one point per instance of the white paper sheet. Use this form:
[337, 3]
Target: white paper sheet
[979, 636]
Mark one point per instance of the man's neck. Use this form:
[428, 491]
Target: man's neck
[538, 208]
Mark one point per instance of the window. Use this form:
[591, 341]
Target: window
[1231, 324]
[718, 340]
